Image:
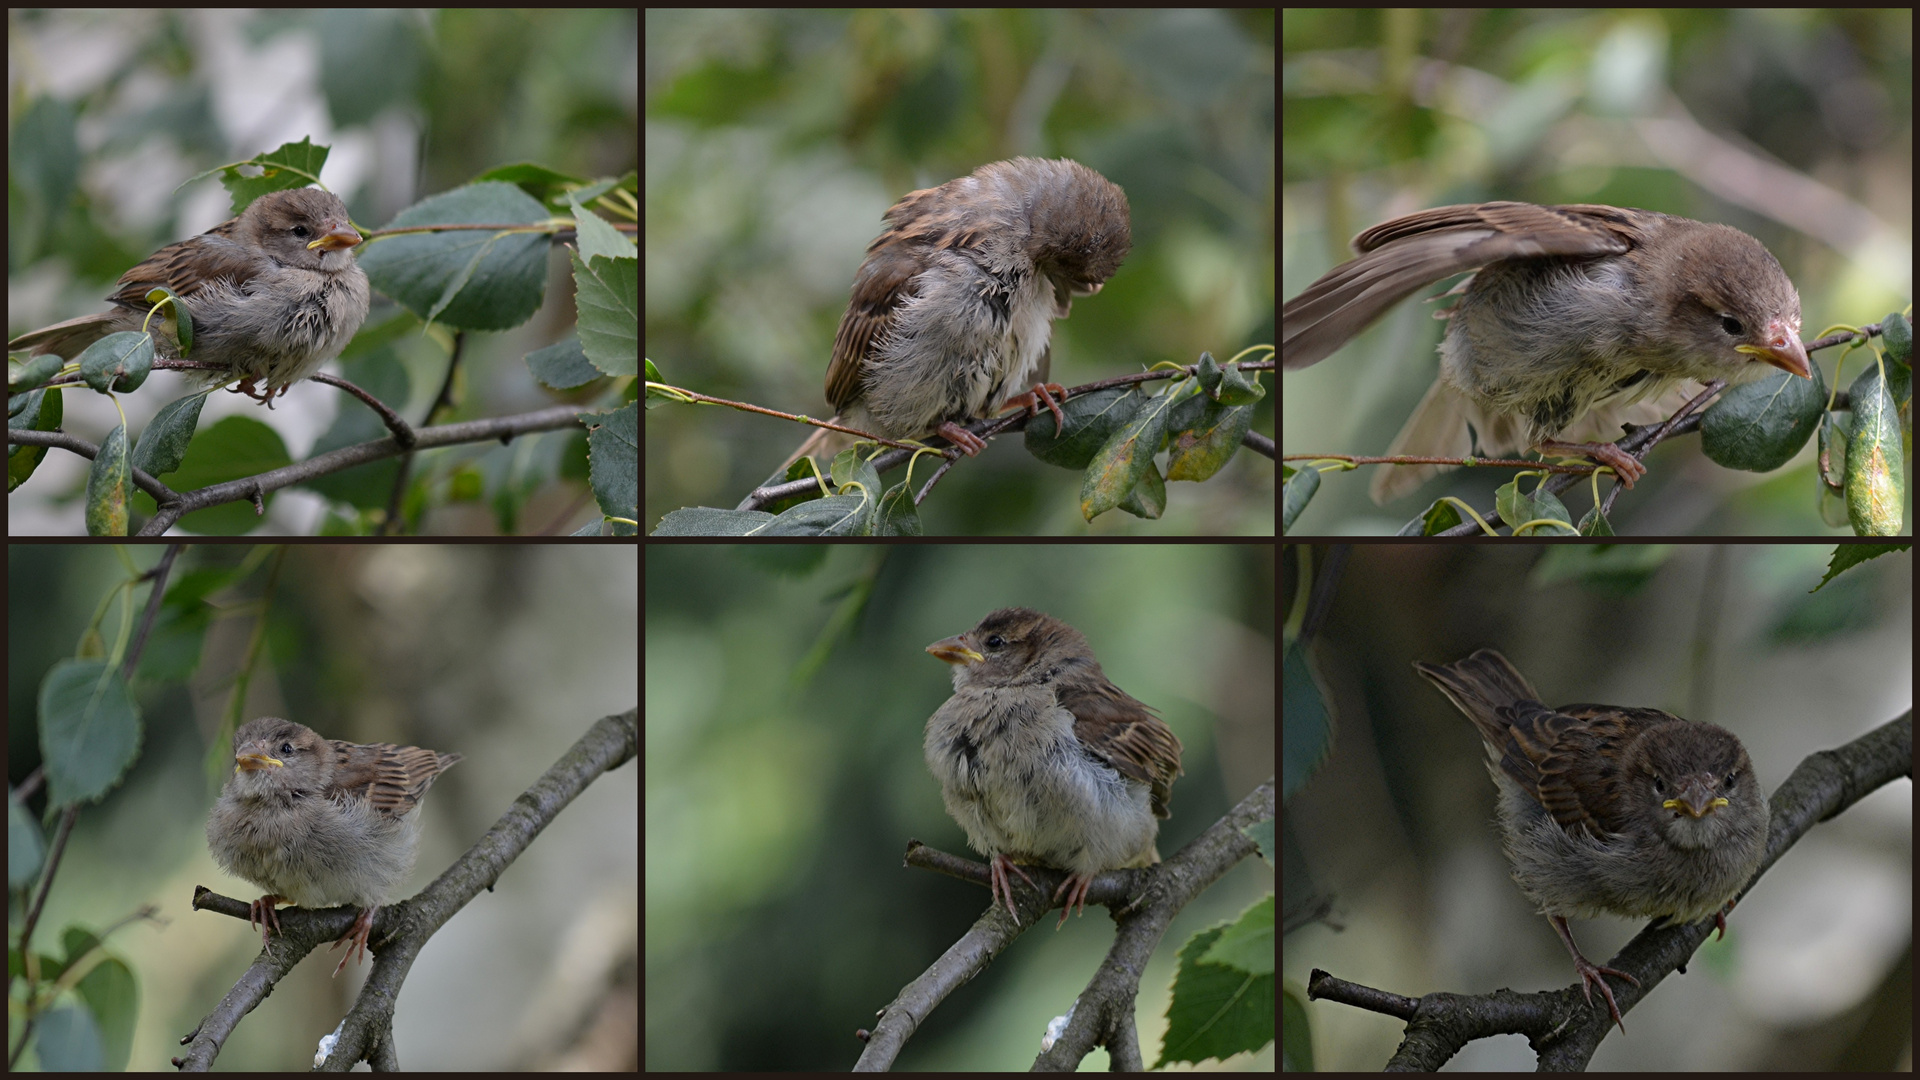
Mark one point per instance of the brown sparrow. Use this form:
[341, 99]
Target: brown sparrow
[321, 823]
[1041, 759]
[1631, 812]
[1574, 310]
[274, 294]
[952, 311]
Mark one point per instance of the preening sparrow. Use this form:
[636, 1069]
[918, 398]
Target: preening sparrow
[1042, 760]
[1577, 313]
[274, 294]
[952, 311]
[1631, 812]
[321, 823]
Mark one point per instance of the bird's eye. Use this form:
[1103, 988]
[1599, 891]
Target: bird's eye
[995, 641]
[1732, 326]
[286, 748]
[1659, 787]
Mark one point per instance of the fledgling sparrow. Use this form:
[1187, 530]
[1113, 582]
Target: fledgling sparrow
[1042, 760]
[274, 294]
[1577, 313]
[952, 311]
[321, 823]
[1630, 812]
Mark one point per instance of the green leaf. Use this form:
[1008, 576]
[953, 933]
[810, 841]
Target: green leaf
[1540, 513]
[1217, 1011]
[1759, 426]
[89, 730]
[1300, 488]
[1897, 333]
[466, 278]
[1091, 420]
[163, 445]
[109, 486]
[1876, 480]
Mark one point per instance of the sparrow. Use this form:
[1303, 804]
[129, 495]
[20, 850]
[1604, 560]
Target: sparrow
[952, 312]
[1576, 313]
[1607, 809]
[273, 294]
[1040, 758]
[319, 822]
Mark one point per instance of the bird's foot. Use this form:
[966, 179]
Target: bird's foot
[1003, 885]
[354, 938]
[969, 443]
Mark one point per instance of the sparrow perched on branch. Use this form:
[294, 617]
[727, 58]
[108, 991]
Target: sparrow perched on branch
[1611, 810]
[1041, 759]
[953, 309]
[273, 294]
[319, 822]
[1574, 314]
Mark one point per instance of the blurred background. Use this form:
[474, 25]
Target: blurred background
[1795, 125]
[788, 690]
[1397, 825]
[777, 139]
[116, 114]
[506, 655]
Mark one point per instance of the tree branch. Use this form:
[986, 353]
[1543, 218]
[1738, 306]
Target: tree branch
[891, 459]
[175, 505]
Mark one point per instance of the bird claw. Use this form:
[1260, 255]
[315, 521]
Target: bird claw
[264, 396]
[354, 938]
[967, 441]
[1075, 888]
[1590, 975]
[1042, 394]
[1625, 465]
[1002, 885]
[260, 914]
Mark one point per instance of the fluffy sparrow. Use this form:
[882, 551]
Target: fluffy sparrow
[953, 309]
[321, 823]
[1574, 310]
[1631, 812]
[1041, 759]
[274, 294]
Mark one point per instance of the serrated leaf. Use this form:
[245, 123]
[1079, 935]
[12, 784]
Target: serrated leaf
[1216, 1011]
